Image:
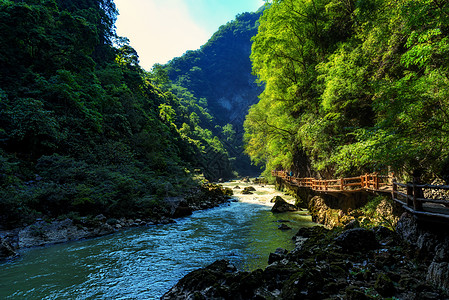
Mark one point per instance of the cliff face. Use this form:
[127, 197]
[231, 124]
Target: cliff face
[220, 72]
[431, 244]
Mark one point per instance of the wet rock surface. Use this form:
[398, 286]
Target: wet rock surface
[324, 266]
[248, 190]
[280, 205]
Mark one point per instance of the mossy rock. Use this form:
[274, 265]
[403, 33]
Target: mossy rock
[384, 285]
[356, 293]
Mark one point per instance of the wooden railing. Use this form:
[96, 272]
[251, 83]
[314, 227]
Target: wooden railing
[412, 194]
[365, 182]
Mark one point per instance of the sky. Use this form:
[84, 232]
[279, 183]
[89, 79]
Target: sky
[160, 30]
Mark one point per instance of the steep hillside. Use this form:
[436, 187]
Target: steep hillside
[220, 72]
[82, 128]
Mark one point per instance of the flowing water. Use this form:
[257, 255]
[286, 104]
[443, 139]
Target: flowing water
[143, 263]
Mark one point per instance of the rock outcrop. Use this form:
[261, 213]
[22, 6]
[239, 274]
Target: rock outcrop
[280, 206]
[431, 244]
[357, 239]
[322, 266]
[248, 190]
[6, 249]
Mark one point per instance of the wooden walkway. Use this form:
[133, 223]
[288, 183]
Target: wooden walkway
[367, 182]
[410, 195]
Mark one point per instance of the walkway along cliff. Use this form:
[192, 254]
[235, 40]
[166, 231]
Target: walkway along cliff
[347, 194]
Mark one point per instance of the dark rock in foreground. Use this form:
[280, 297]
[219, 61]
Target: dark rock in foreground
[280, 205]
[357, 239]
[277, 255]
[325, 264]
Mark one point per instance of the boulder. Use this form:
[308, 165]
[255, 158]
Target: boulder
[202, 283]
[280, 205]
[352, 224]
[384, 285]
[284, 227]
[246, 192]
[438, 274]
[278, 255]
[6, 250]
[182, 211]
[357, 239]
[100, 218]
[273, 200]
[237, 187]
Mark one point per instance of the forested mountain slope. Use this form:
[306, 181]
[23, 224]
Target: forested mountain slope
[219, 74]
[83, 129]
[352, 87]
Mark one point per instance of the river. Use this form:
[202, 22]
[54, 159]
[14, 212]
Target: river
[143, 263]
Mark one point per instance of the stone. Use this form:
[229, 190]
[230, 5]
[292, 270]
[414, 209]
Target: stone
[357, 239]
[237, 187]
[100, 218]
[278, 255]
[384, 286]
[273, 200]
[246, 192]
[280, 205]
[407, 228]
[438, 274]
[352, 224]
[355, 293]
[182, 211]
[284, 227]
[6, 250]
[202, 282]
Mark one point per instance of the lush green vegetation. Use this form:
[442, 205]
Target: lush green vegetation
[351, 87]
[219, 77]
[83, 129]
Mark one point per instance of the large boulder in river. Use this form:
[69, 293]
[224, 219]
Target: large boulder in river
[203, 283]
[280, 205]
[248, 190]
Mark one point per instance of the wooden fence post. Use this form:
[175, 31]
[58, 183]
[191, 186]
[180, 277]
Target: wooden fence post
[417, 205]
[395, 189]
[376, 181]
[409, 194]
[341, 184]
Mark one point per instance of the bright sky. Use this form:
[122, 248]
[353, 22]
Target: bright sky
[163, 29]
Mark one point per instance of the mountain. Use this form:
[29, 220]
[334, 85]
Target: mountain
[220, 73]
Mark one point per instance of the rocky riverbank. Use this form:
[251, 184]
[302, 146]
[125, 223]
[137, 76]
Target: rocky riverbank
[53, 231]
[355, 263]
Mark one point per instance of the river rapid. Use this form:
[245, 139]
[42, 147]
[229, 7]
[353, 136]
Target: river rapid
[144, 263]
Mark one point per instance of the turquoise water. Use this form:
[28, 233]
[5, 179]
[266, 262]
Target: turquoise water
[144, 263]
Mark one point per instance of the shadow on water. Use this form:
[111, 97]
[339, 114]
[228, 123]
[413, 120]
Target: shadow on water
[144, 263]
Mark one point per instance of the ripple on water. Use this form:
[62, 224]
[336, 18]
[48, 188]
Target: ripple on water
[143, 263]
